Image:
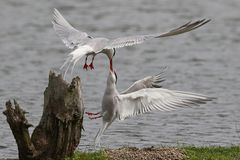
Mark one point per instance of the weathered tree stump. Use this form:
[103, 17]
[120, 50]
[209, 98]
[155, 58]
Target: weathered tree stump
[59, 130]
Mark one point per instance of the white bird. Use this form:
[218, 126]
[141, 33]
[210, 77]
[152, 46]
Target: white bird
[85, 45]
[140, 98]
[147, 82]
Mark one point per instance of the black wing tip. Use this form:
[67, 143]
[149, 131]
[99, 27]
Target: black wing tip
[162, 71]
[211, 98]
[160, 77]
[204, 21]
[205, 100]
[156, 85]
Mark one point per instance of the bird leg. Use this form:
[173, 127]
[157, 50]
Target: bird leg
[91, 65]
[95, 117]
[85, 65]
[92, 114]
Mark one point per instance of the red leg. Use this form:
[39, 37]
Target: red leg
[91, 113]
[95, 117]
[85, 65]
[91, 65]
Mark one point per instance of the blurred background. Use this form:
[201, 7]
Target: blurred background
[205, 61]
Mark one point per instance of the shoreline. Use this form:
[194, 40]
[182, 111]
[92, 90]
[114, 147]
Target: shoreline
[162, 153]
[159, 153]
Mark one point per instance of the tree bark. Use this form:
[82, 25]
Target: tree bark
[59, 130]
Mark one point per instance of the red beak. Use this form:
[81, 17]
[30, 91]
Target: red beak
[111, 66]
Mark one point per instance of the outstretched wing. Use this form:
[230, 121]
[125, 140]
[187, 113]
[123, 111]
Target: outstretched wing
[156, 99]
[133, 40]
[147, 82]
[70, 36]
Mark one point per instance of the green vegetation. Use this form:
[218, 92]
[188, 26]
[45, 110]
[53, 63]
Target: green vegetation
[191, 152]
[212, 153]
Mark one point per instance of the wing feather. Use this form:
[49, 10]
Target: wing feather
[70, 36]
[156, 99]
[148, 82]
[133, 40]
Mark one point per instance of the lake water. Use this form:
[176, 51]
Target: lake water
[204, 61]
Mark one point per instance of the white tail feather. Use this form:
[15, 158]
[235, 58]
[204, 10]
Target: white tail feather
[105, 125]
[75, 56]
[66, 61]
[74, 63]
[66, 70]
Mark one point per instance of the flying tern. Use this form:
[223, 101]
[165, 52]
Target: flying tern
[143, 96]
[85, 45]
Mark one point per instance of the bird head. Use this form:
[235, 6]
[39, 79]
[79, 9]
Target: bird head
[110, 53]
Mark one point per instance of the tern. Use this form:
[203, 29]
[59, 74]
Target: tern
[147, 82]
[85, 45]
[143, 96]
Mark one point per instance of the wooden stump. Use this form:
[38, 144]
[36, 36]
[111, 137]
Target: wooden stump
[59, 130]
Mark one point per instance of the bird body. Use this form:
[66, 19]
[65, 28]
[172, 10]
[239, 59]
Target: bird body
[109, 112]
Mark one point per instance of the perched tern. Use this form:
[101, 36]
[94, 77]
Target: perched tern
[143, 96]
[85, 45]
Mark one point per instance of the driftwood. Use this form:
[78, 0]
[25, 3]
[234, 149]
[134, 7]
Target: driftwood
[59, 130]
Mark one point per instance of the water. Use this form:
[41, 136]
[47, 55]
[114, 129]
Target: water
[204, 61]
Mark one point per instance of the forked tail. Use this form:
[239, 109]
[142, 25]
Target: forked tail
[105, 125]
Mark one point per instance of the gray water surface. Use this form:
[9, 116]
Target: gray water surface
[204, 61]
